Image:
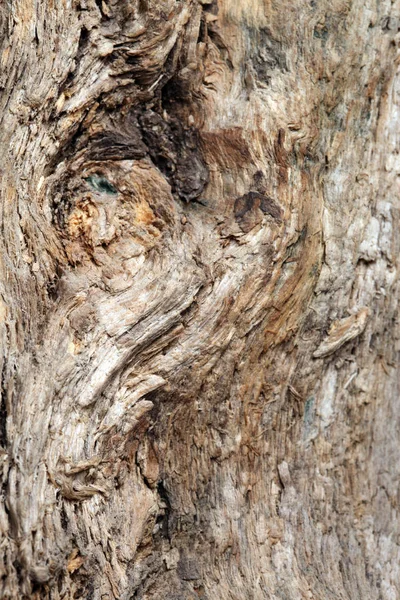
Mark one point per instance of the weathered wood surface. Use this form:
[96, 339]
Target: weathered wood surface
[199, 299]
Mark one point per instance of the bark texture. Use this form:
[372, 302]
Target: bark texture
[199, 299]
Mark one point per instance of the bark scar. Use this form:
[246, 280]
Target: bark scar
[254, 200]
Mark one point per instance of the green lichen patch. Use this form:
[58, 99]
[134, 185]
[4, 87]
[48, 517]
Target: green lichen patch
[101, 184]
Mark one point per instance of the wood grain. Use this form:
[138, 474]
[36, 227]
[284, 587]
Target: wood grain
[199, 299]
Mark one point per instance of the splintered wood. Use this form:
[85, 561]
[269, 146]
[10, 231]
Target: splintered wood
[199, 299]
[342, 331]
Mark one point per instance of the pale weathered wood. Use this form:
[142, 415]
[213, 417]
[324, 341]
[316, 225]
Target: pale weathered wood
[199, 299]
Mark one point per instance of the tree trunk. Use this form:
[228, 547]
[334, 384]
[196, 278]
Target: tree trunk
[199, 299]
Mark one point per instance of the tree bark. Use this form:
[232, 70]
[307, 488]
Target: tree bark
[199, 299]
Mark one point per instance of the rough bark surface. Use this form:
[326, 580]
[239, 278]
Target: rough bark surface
[199, 299]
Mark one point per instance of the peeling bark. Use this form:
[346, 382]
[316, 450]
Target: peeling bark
[199, 299]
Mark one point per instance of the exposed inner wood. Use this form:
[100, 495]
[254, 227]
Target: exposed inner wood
[199, 299]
